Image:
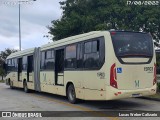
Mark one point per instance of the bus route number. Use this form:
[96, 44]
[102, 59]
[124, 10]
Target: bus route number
[101, 75]
[148, 69]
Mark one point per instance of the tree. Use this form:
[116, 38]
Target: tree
[81, 16]
[3, 56]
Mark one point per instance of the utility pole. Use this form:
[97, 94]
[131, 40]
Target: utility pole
[19, 26]
[19, 5]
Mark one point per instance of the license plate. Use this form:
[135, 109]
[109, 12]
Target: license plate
[136, 95]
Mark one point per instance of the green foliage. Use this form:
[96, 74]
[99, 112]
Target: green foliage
[81, 16]
[3, 55]
[2, 72]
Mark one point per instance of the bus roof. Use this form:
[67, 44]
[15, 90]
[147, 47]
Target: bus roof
[21, 53]
[31, 50]
[127, 31]
[68, 39]
[62, 41]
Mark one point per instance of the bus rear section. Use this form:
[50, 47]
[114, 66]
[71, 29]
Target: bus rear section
[133, 71]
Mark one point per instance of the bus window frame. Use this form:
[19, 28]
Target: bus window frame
[131, 63]
[45, 58]
[100, 38]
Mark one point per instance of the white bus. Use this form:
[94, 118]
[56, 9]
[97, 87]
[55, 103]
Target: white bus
[99, 65]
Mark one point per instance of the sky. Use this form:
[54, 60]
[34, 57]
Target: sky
[35, 17]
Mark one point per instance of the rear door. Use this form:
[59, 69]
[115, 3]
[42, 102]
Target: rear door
[59, 67]
[19, 69]
[30, 68]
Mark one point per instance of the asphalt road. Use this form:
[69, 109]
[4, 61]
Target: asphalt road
[17, 100]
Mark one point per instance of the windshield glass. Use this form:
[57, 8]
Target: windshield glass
[132, 44]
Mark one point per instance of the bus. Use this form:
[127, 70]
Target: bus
[99, 65]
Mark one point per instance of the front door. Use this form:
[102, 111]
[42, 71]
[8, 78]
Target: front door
[20, 69]
[59, 67]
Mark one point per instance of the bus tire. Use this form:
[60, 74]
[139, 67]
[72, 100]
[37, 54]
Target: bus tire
[26, 90]
[71, 94]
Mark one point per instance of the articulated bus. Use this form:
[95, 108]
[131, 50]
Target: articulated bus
[99, 65]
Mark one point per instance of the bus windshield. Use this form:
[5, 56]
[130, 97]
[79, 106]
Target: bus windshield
[132, 44]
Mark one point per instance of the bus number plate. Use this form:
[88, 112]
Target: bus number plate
[136, 95]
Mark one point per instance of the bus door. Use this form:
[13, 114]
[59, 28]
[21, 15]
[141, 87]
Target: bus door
[19, 69]
[30, 68]
[59, 67]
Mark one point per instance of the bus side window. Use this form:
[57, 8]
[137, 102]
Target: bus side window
[15, 64]
[95, 46]
[101, 51]
[70, 59]
[42, 60]
[9, 64]
[49, 60]
[24, 63]
[79, 55]
[91, 54]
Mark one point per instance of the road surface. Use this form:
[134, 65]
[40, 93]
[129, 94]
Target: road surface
[17, 100]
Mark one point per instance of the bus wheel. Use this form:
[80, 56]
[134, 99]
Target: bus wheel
[26, 90]
[71, 94]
